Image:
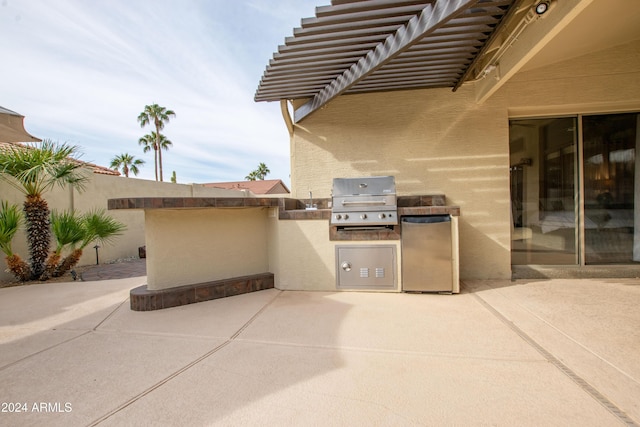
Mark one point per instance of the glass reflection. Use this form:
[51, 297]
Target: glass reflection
[609, 187]
[543, 182]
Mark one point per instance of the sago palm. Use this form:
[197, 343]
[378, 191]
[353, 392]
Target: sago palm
[75, 233]
[68, 231]
[158, 116]
[10, 221]
[34, 170]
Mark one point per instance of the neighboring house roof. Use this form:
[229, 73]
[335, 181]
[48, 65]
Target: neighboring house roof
[263, 186]
[12, 127]
[93, 167]
[102, 170]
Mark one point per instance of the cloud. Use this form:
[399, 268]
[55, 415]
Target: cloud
[82, 71]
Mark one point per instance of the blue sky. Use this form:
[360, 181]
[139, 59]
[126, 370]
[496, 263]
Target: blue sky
[81, 72]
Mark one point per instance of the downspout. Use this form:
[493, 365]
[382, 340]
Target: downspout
[286, 116]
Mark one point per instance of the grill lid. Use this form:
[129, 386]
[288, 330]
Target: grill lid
[367, 201]
[372, 185]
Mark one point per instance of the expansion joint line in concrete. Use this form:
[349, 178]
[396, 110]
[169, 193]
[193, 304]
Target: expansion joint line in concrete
[65, 341]
[584, 385]
[8, 365]
[186, 367]
[110, 314]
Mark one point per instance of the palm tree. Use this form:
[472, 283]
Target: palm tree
[10, 221]
[163, 144]
[128, 163]
[158, 116]
[259, 173]
[262, 171]
[34, 170]
[156, 143]
[67, 231]
[74, 233]
[148, 143]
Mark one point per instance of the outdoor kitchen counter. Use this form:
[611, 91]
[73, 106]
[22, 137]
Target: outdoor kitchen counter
[202, 248]
[294, 209]
[290, 209]
[192, 202]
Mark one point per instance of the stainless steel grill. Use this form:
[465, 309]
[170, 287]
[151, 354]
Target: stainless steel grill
[364, 202]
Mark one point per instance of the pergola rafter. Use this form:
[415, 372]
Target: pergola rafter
[358, 46]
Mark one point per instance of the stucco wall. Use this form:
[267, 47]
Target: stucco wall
[432, 141]
[201, 245]
[97, 191]
[603, 82]
[440, 141]
[301, 257]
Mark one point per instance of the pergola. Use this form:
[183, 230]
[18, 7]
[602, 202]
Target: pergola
[356, 46]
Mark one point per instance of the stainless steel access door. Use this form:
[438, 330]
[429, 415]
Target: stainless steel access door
[366, 267]
[426, 254]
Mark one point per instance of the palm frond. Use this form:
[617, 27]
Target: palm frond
[35, 169]
[10, 222]
[127, 162]
[101, 227]
[68, 229]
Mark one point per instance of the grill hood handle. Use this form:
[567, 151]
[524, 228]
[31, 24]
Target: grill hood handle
[370, 202]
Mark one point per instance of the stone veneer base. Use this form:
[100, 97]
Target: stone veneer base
[143, 299]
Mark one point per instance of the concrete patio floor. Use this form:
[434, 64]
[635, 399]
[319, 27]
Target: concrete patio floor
[562, 352]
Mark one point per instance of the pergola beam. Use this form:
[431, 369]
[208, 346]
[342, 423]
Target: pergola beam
[431, 18]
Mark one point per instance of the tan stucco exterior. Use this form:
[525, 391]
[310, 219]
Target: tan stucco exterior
[98, 189]
[302, 257]
[301, 254]
[201, 245]
[432, 141]
[437, 141]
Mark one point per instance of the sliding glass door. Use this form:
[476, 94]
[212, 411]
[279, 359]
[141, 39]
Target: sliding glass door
[567, 208]
[609, 187]
[543, 202]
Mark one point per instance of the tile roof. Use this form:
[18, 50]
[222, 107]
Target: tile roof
[93, 167]
[264, 186]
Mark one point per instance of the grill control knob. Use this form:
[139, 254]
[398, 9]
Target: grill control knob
[338, 216]
[363, 216]
[382, 216]
[346, 216]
